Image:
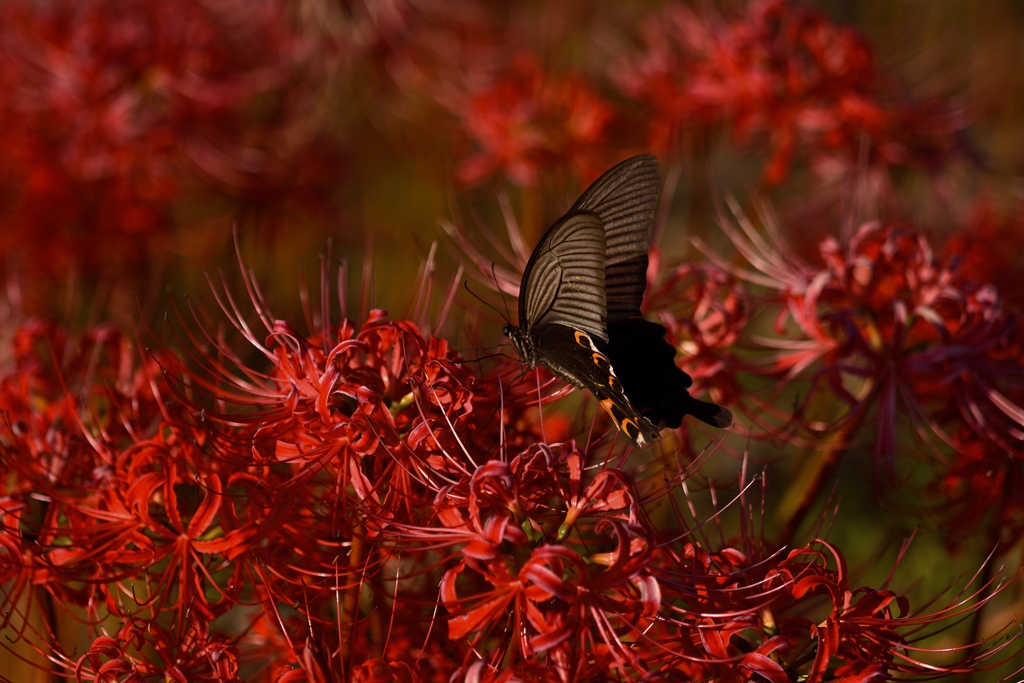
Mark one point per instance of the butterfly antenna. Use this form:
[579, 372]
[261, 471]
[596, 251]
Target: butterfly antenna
[508, 316]
[465, 283]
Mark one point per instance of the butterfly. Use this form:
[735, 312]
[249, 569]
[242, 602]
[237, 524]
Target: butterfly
[579, 308]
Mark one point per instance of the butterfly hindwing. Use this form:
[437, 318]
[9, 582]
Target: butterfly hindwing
[625, 198]
[574, 355]
[657, 387]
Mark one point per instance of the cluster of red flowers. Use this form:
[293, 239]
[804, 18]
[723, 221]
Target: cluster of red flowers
[114, 116]
[360, 502]
[785, 75]
[893, 333]
[127, 123]
[525, 122]
[369, 506]
[779, 77]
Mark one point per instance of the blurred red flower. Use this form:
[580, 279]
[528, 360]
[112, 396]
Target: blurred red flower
[883, 323]
[114, 117]
[784, 77]
[527, 120]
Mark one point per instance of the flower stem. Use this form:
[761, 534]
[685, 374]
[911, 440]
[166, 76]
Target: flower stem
[814, 477]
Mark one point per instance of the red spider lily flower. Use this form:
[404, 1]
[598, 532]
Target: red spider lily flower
[976, 367]
[526, 121]
[524, 488]
[639, 607]
[363, 428]
[188, 552]
[868, 633]
[78, 513]
[195, 655]
[884, 317]
[785, 75]
[560, 608]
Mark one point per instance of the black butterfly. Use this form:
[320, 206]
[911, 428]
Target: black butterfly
[579, 308]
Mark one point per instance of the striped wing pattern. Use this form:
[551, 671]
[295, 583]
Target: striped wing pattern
[564, 280]
[625, 198]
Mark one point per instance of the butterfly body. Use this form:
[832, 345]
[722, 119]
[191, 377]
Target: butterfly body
[579, 307]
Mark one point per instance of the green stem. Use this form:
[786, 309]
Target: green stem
[818, 475]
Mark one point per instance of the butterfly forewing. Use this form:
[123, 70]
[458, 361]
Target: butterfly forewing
[625, 198]
[564, 280]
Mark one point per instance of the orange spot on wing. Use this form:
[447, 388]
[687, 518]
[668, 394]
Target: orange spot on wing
[627, 425]
[581, 336]
[598, 357]
[609, 407]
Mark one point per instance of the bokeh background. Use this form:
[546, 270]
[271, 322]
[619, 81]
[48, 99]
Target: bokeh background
[146, 145]
[138, 135]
